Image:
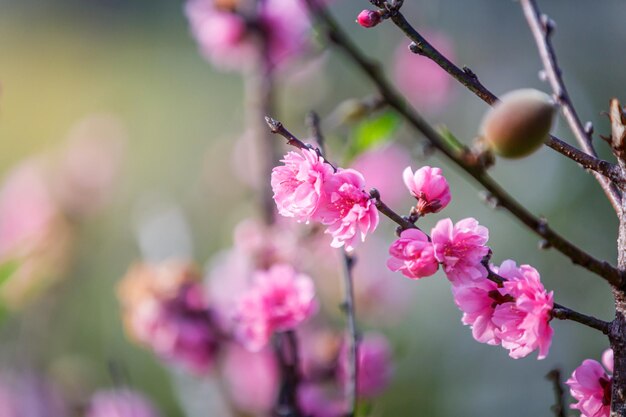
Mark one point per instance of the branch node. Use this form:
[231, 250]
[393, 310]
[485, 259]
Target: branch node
[416, 48]
[547, 24]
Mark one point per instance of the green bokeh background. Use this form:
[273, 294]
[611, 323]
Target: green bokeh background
[61, 61]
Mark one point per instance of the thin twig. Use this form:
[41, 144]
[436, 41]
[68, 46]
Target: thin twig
[396, 101]
[558, 408]
[348, 305]
[286, 348]
[604, 171]
[542, 27]
[353, 336]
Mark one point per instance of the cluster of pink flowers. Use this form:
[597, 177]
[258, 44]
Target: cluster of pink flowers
[309, 189]
[165, 309]
[279, 300]
[515, 313]
[590, 384]
[227, 35]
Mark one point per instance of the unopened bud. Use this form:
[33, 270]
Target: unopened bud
[369, 18]
[519, 124]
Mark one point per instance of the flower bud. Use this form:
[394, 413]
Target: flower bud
[369, 18]
[519, 124]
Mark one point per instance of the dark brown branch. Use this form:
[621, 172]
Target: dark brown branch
[353, 336]
[286, 348]
[559, 409]
[604, 171]
[541, 28]
[396, 101]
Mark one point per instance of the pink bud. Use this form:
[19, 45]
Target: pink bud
[369, 18]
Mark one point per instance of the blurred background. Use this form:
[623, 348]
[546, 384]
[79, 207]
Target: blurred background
[112, 103]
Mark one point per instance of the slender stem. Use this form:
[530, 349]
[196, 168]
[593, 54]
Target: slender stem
[541, 27]
[604, 171]
[396, 101]
[559, 407]
[348, 308]
[286, 348]
[563, 313]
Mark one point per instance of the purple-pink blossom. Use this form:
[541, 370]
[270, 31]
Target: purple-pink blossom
[523, 324]
[590, 385]
[429, 187]
[477, 300]
[374, 365]
[299, 183]
[347, 209]
[461, 248]
[413, 255]
[279, 300]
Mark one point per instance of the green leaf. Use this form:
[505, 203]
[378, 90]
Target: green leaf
[371, 133]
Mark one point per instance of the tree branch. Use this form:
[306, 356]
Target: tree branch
[542, 27]
[559, 407]
[286, 348]
[396, 101]
[604, 171]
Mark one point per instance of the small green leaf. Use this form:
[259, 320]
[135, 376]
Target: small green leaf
[371, 133]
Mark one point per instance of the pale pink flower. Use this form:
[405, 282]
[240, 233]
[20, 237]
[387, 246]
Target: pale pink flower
[251, 378]
[280, 300]
[524, 323]
[413, 255]
[347, 209]
[318, 401]
[165, 309]
[607, 360]
[299, 183]
[382, 169]
[429, 187]
[426, 85]
[120, 403]
[374, 365]
[226, 39]
[477, 300]
[591, 386]
[461, 248]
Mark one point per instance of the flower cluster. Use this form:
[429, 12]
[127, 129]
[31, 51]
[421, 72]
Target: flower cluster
[590, 384]
[165, 309]
[227, 37]
[309, 189]
[280, 300]
[514, 313]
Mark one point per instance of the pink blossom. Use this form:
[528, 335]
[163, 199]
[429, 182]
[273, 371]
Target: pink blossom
[369, 18]
[461, 248]
[413, 255]
[165, 310]
[607, 360]
[299, 183]
[347, 209]
[374, 364]
[427, 86]
[229, 43]
[280, 300]
[523, 324]
[120, 403]
[429, 187]
[382, 169]
[251, 378]
[591, 386]
[316, 401]
[477, 300]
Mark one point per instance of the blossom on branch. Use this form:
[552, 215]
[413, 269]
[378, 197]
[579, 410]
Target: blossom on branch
[477, 300]
[429, 187]
[591, 385]
[280, 300]
[413, 255]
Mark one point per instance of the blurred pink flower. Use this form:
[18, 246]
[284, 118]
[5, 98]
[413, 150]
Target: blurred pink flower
[590, 385]
[461, 248]
[120, 403]
[228, 41]
[413, 255]
[524, 324]
[427, 86]
[607, 360]
[279, 300]
[429, 187]
[477, 300]
[165, 309]
[382, 169]
[299, 183]
[374, 365]
[251, 378]
[347, 209]
[316, 401]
